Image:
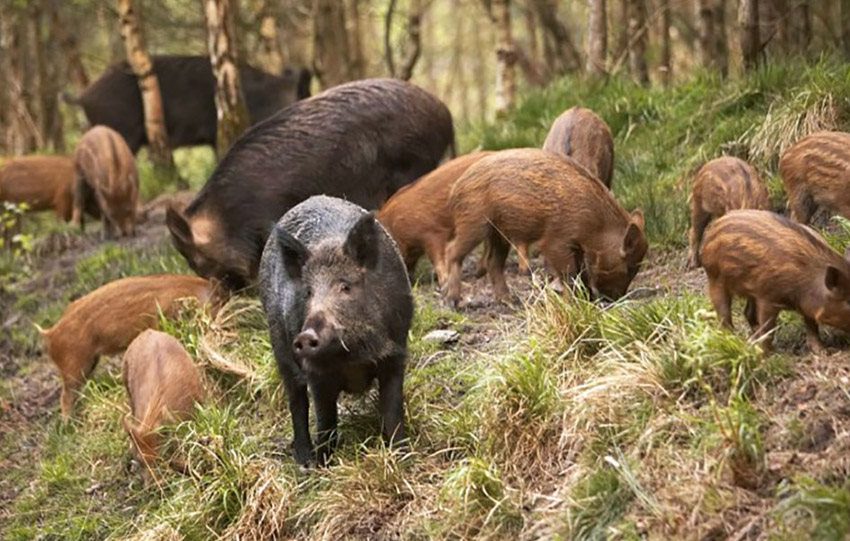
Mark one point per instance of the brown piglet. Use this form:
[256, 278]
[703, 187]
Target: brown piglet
[106, 170]
[163, 385]
[580, 134]
[418, 216]
[816, 173]
[529, 195]
[775, 264]
[42, 182]
[105, 321]
[721, 185]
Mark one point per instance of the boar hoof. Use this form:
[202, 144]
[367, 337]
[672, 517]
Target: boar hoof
[303, 456]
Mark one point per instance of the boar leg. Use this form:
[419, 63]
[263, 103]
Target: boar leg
[722, 301]
[325, 395]
[767, 314]
[299, 407]
[467, 236]
[436, 252]
[751, 313]
[80, 193]
[522, 249]
[813, 336]
[499, 250]
[481, 269]
[74, 375]
[562, 263]
[391, 400]
[699, 221]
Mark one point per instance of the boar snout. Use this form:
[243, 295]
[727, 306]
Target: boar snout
[318, 336]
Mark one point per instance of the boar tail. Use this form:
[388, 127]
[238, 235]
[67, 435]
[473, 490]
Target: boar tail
[41, 330]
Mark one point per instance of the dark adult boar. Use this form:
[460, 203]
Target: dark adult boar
[721, 185]
[418, 216]
[529, 195]
[816, 173]
[188, 89]
[163, 385]
[580, 134]
[361, 141]
[42, 182]
[339, 306]
[106, 171]
[776, 265]
[105, 321]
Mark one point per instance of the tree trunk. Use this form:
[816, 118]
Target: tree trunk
[637, 42]
[296, 21]
[231, 111]
[597, 38]
[355, 40]
[70, 47]
[482, 75]
[802, 15]
[748, 22]
[271, 51]
[721, 44]
[140, 63]
[567, 56]
[845, 27]
[36, 69]
[705, 34]
[331, 56]
[622, 18]
[505, 57]
[666, 67]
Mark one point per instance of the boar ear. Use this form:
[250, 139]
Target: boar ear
[632, 239]
[362, 242]
[295, 254]
[834, 278]
[178, 225]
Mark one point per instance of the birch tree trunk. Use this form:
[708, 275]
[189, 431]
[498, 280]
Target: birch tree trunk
[142, 66]
[271, 51]
[666, 67]
[597, 38]
[354, 33]
[637, 41]
[231, 111]
[748, 23]
[331, 56]
[505, 57]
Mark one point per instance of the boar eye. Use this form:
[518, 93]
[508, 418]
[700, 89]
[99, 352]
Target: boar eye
[344, 286]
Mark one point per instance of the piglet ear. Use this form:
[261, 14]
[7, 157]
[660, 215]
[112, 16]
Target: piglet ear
[834, 278]
[362, 242]
[294, 253]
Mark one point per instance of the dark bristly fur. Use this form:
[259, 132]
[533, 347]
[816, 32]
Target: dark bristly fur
[361, 141]
[721, 185]
[339, 307]
[580, 134]
[776, 264]
[816, 173]
[529, 195]
[187, 87]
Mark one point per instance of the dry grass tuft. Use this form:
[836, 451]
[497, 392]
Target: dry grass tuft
[268, 505]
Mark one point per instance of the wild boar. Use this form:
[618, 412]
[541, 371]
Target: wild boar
[361, 141]
[105, 321]
[339, 307]
[42, 182]
[106, 171]
[580, 134]
[187, 86]
[775, 264]
[721, 185]
[163, 385]
[529, 195]
[816, 173]
[419, 218]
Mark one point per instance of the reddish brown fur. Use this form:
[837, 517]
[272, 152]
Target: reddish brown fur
[105, 167]
[816, 172]
[42, 182]
[105, 321]
[530, 195]
[721, 185]
[418, 216]
[163, 385]
[580, 134]
[776, 265]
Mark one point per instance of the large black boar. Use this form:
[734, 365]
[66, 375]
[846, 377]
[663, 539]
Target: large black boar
[339, 306]
[188, 88]
[361, 141]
